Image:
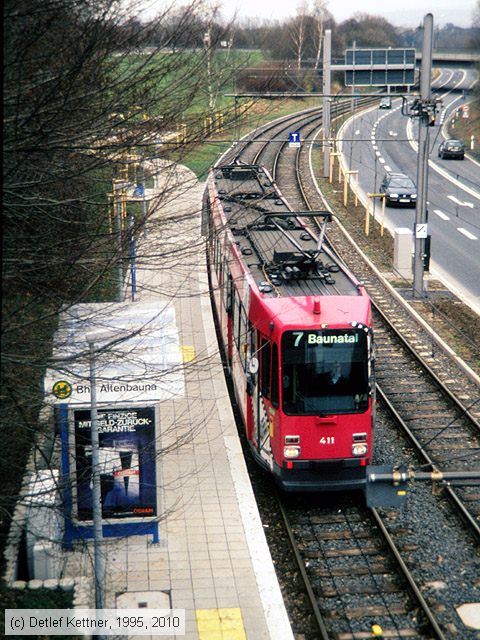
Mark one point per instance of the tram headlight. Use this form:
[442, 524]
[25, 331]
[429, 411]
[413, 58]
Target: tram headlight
[291, 452]
[359, 449]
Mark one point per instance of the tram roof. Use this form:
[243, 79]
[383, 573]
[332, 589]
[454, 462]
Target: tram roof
[281, 252]
[291, 312]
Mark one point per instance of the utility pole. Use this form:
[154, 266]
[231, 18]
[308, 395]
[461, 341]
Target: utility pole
[207, 41]
[144, 202]
[426, 110]
[354, 46]
[119, 199]
[133, 270]
[327, 90]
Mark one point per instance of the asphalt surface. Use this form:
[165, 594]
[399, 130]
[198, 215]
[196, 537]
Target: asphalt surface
[382, 140]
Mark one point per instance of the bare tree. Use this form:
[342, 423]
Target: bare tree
[211, 43]
[87, 101]
[299, 31]
[320, 14]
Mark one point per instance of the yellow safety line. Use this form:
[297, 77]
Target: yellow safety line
[220, 624]
[188, 353]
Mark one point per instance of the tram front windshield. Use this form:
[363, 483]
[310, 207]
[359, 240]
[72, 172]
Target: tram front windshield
[325, 371]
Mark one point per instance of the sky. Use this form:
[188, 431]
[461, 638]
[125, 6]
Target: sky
[402, 13]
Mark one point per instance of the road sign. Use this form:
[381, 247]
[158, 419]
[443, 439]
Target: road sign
[370, 67]
[294, 139]
[421, 230]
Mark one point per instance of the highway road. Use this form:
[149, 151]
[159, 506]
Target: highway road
[377, 141]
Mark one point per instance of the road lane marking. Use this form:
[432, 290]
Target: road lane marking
[460, 202]
[466, 233]
[441, 215]
[439, 170]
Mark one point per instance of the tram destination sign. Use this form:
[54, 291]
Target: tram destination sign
[379, 67]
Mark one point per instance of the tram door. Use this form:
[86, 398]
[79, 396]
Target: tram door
[263, 390]
[229, 315]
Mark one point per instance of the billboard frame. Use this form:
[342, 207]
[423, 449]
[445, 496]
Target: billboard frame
[119, 525]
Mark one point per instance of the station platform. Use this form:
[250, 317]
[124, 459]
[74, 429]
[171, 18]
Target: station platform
[212, 558]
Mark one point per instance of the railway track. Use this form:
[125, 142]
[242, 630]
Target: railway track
[357, 575]
[354, 572]
[434, 401]
[442, 430]
[427, 391]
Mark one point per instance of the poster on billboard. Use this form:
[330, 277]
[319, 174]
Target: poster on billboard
[126, 459]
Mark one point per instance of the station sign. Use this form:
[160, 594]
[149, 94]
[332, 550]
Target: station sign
[143, 365]
[379, 67]
[294, 139]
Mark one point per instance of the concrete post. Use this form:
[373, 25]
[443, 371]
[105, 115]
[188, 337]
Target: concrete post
[402, 252]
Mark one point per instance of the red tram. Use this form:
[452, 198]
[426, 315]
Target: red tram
[297, 331]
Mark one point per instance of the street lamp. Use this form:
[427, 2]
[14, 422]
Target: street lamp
[99, 558]
[104, 337]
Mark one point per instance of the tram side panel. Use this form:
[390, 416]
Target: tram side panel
[311, 449]
[231, 298]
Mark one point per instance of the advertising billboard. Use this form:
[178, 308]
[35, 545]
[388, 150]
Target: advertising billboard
[126, 459]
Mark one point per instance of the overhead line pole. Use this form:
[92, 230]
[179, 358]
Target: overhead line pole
[327, 56]
[420, 231]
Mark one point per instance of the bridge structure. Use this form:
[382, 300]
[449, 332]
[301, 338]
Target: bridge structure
[451, 59]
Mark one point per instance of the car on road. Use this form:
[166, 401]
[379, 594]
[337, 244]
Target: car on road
[451, 149]
[399, 190]
[385, 103]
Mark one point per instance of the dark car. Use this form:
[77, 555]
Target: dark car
[385, 103]
[399, 190]
[451, 149]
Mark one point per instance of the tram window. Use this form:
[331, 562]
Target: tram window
[252, 342]
[265, 368]
[226, 286]
[231, 304]
[218, 255]
[238, 318]
[275, 398]
[250, 339]
[243, 335]
[325, 371]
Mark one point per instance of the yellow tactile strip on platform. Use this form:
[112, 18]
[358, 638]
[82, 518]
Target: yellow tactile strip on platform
[220, 624]
[188, 353]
